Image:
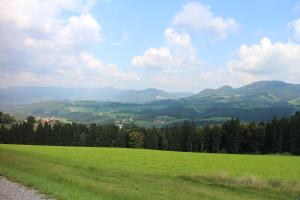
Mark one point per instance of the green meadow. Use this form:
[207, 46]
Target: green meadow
[117, 173]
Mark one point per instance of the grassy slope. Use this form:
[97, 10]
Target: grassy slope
[111, 173]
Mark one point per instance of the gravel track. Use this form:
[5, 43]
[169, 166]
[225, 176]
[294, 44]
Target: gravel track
[10, 190]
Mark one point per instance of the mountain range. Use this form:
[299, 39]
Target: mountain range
[277, 89]
[26, 95]
[257, 94]
[253, 102]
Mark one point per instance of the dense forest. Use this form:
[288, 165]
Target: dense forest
[277, 136]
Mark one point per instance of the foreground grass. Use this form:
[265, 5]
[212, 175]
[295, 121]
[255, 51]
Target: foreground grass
[112, 173]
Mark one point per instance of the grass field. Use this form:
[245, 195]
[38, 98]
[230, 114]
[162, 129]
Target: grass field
[112, 173]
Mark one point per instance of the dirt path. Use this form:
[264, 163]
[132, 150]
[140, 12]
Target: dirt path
[14, 191]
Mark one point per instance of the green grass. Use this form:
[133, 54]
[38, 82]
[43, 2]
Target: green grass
[295, 102]
[112, 173]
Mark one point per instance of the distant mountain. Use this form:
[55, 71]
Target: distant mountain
[257, 94]
[278, 89]
[148, 95]
[151, 107]
[27, 95]
[225, 90]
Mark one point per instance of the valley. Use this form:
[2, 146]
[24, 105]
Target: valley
[259, 101]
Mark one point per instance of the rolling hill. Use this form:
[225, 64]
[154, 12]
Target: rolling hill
[254, 102]
[26, 95]
[278, 90]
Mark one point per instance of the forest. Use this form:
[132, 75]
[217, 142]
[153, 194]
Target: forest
[280, 135]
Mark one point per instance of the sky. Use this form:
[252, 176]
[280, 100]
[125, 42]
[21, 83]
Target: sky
[174, 45]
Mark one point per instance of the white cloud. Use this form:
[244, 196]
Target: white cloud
[25, 14]
[269, 60]
[158, 57]
[38, 42]
[265, 60]
[82, 69]
[178, 53]
[83, 29]
[87, 60]
[173, 38]
[195, 15]
[295, 25]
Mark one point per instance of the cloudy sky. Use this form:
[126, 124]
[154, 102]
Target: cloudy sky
[175, 45]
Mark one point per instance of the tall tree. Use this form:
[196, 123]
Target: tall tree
[231, 136]
[135, 139]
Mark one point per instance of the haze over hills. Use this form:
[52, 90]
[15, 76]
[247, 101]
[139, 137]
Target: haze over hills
[38, 94]
[278, 89]
[257, 94]
[263, 91]
[254, 102]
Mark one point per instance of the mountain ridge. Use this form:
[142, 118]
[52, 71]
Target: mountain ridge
[253, 102]
[33, 94]
[254, 88]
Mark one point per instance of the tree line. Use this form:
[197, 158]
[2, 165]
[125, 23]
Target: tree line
[6, 118]
[277, 136]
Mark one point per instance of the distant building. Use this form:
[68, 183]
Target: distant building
[120, 125]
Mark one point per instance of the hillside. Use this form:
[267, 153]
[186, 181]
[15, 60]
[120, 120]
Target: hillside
[254, 102]
[268, 92]
[258, 98]
[116, 173]
[26, 95]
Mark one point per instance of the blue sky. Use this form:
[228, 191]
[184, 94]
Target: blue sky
[175, 45]
[145, 22]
